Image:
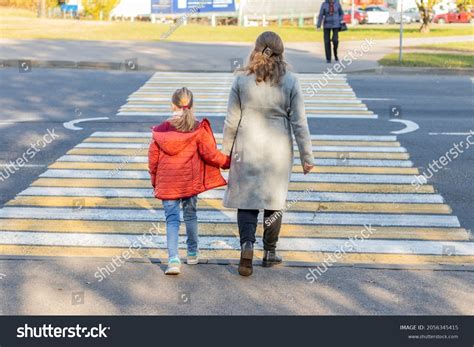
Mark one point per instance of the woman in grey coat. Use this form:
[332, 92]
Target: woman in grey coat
[265, 110]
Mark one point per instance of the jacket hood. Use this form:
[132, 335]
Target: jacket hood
[173, 142]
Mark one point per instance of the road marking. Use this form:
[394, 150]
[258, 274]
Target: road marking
[147, 134]
[216, 114]
[296, 168]
[225, 243]
[71, 125]
[217, 216]
[410, 126]
[219, 194]
[216, 204]
[453, 134]
[115, 145]
[230, 229]
[296, 177]
[296, 186]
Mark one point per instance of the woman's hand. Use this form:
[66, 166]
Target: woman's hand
[307, 168]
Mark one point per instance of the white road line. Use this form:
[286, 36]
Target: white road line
[172, 89]
[223, 115]
[226, 243]
[103, 159]
[218, 216]
[223, 107]
[453, 134]
[320, 162]
[147, 134]
[410, 126]
[144, 146]
[71, 125]
[127, 159]
[223, 102]
[376, 99]
[219, 194]
[295, 177]
[198, 94]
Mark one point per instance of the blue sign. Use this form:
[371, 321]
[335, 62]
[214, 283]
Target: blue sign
[184, 6]
[69, 8]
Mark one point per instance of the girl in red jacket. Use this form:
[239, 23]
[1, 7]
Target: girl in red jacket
[183, 161]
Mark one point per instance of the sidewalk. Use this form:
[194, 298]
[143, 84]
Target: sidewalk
[306, 57]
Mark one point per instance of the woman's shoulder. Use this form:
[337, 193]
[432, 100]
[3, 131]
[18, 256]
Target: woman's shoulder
[290, 78]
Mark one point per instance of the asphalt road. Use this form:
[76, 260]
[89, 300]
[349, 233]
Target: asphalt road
[44, 99]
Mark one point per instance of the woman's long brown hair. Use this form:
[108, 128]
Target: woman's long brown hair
[266, 60]
[183, 99]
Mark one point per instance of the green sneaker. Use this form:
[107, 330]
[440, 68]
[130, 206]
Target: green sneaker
[193, 258]
[174, 267]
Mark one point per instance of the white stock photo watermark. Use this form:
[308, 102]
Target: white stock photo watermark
[183, 19]
[349, 246]
[278, 214]
[129, 158]
[443, 161]
[340, 66]
[15, 165]
[117, 261]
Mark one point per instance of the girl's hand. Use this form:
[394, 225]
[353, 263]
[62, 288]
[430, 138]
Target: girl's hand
[307, 168]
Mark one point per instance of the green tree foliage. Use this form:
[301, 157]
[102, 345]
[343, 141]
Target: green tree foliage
[93, 8]
[28, 4]
[464, 5]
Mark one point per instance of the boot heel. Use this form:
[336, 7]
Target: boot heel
[246, 258]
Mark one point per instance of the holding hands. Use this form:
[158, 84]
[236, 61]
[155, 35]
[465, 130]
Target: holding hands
[307, 168]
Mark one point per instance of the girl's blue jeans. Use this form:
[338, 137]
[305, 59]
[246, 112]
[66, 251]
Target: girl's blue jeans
[173, 222]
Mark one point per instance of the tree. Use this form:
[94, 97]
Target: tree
[425, 7]
[95, 8]
[464, 5]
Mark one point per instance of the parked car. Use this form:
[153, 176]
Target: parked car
[454, 17]
[414, 14]
[360, 17]
[395, 17]
[377, 14]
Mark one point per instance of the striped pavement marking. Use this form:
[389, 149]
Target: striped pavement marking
[336, 99]
[96, 200]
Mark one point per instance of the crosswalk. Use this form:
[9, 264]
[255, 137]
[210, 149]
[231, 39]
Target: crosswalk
[325, 97]
[96, 200]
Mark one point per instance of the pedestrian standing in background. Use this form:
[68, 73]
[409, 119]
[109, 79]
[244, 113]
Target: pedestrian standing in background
[331, 16]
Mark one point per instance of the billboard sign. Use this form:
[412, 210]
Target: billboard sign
[183, 6]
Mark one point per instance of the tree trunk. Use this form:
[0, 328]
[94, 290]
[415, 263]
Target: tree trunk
[425, 21]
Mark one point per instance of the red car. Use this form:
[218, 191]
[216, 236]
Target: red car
[360, 17]
[454, 17]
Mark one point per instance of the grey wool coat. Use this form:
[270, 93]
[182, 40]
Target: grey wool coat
[262, 157]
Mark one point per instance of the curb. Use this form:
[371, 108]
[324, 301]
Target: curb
[388, 70]
[124, 66]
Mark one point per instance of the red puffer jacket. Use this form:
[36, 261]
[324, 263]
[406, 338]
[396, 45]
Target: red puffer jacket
[184, 164]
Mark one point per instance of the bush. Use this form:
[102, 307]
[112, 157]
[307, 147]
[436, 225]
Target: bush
[93, 8]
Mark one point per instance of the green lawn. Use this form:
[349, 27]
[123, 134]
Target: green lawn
[440, 60]
[22, 25]
[467, 47]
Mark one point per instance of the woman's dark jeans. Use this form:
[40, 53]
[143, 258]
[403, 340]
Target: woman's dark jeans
[327, 42]
[247, 221]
